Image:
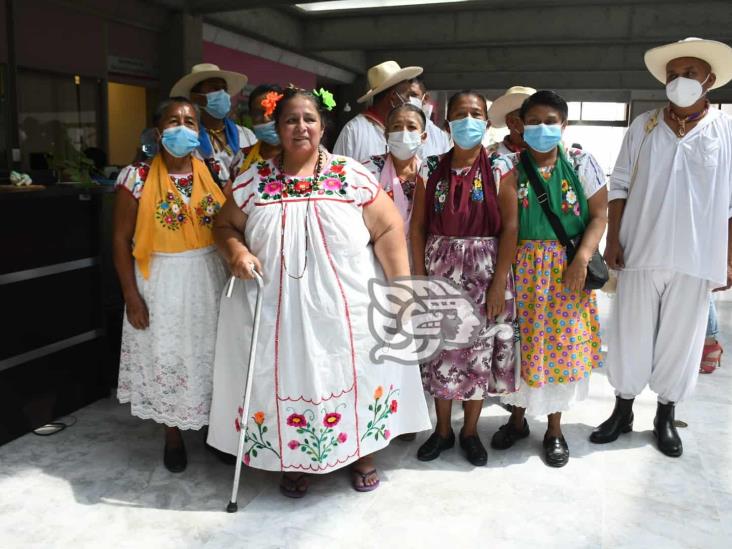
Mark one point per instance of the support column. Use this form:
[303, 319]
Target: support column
[181, 47]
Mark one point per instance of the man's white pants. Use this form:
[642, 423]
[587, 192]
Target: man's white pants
[656, 333]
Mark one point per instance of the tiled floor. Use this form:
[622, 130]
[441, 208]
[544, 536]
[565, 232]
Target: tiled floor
[101, 483]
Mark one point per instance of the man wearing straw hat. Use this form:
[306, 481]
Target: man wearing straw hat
[668, 234]
[389, 86]
[220, 138]
[504, 112]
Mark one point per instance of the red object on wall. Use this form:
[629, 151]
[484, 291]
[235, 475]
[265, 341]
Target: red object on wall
[259, 70]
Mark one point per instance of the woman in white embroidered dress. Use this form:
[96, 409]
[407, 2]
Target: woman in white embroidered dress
[171, 278]
[318, 229]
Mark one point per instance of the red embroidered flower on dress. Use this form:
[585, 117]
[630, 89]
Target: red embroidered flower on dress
[297, 420]
[343, 437]
[264, 171]
[294, 444]
[303, 186]
[246, 459]
[394, 406]
[331, 419]
[237, 425]
[142, 171]
[272, 188]
[332, 184]
[387, 434]
[337, 168]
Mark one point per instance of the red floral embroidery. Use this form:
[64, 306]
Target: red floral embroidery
[343, 437]
[265, 171]
[394, 406]
[303, 186]
[297, 420]
[331, 419]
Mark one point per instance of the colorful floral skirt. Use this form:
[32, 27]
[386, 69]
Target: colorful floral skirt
[560, 341]
[487, 367]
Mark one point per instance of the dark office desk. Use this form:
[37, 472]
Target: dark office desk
[58, 303]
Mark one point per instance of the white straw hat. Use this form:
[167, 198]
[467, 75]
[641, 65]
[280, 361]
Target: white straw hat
[717, 54]
[508, 102]
[235, 81]
[387, 74]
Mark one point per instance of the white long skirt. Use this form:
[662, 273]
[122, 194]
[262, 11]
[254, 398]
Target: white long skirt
[166, 371]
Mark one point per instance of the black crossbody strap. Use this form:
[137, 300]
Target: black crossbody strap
[543, 198]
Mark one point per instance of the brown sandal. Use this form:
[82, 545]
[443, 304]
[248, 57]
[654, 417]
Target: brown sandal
[295, 487]
[362, 486]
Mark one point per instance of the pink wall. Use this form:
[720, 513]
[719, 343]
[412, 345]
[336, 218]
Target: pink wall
[259, 71]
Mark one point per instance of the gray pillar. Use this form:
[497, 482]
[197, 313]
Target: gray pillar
[181, 47]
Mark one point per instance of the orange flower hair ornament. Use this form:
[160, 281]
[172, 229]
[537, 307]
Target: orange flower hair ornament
[269, 103]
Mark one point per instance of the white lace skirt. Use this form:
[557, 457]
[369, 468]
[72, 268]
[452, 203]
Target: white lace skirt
[166, 371]
[550, 398]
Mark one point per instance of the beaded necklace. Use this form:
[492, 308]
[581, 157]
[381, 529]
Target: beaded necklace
[316, 173]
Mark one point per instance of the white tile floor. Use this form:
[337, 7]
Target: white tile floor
[101, 483]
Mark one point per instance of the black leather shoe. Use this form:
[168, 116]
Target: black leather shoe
[507, 434]
[175, 458]
[619, 422]
[433, 446]
[556, 451]
[474, 450]
[667, 437]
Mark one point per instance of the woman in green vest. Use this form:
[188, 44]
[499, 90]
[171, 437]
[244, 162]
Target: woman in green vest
[558, 319]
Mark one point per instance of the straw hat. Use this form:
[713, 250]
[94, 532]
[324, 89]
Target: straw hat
[717, 54]
[387, 74]
[508, 102]
[235, 81]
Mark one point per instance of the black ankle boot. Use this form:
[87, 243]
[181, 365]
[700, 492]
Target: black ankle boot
[667, 437]
[620, 421]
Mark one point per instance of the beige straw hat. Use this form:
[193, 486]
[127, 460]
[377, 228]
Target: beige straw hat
[508, 102]
[717, 54]
[385, 75]
[235, 81]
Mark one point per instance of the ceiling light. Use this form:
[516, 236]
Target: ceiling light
[337, 5]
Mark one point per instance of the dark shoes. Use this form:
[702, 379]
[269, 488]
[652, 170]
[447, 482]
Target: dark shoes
[507, 435]
[433, 446]
[474, 450]
[175, 458]
[667, 437]
[223, 457]
[556, 451]
[619, 422]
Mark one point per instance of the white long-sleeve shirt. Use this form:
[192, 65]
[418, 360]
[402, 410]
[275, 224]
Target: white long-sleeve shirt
[677, 212]
[362, 138]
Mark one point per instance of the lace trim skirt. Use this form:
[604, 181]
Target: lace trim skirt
[166, 371]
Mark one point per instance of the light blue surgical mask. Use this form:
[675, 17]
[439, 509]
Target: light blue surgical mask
[468, 132]
[179, 141]
[542, 137]
[218, 104]
[266, 132]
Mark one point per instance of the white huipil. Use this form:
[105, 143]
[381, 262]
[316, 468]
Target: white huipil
[362, 138]
[674, 237]
[319, 402]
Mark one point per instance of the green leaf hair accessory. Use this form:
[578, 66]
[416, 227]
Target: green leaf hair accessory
[326, 98]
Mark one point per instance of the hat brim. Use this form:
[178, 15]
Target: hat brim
[504, 105]
[235, 82]
[717, 54]
[406, 73]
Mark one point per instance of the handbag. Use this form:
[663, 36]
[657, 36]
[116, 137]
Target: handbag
[597, 271]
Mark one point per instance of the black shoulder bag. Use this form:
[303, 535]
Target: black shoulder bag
[597, 272]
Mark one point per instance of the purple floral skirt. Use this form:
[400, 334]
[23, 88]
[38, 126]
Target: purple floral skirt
[488, 366]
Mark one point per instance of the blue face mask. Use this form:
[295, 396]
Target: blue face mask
[218, 104]
[266, 132]
[468, 132]
[543, 137]
[179, 141]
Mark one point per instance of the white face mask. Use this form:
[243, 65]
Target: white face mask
[427, 110]
[684, 92]
[404, 145]
[416, 101]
